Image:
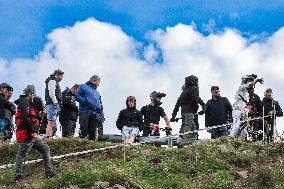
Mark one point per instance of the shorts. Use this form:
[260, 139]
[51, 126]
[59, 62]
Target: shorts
[127, 131]
[52, 111]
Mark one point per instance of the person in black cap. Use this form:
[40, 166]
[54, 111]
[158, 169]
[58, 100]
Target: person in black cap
[7, 110]
[38, 104]
[152, 113]
[53, 100]
[218, 111]
[27, 136]
[188, 101]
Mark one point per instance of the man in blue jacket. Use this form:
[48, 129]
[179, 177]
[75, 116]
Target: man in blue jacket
[90, 108]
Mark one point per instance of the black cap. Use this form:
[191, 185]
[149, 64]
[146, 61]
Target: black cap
[27, 91]
[6, 85]
[156, 94]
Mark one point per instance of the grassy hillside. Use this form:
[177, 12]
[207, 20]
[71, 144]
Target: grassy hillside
[225, 163]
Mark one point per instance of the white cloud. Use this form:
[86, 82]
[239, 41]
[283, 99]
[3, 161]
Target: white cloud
[92, 47]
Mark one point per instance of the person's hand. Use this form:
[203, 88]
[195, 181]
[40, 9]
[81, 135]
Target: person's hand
[40, 113]
[172, 119]
[270, 113]
[168, 130]
[201, 112]
[260, 80]
[34, 136]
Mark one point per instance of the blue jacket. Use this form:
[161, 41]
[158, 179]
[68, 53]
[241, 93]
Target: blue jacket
[89, 98]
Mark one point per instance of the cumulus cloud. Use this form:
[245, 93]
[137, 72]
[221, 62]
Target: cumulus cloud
[93, 47]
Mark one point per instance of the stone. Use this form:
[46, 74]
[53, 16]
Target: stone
[117, 186]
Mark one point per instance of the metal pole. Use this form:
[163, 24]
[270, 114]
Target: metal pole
[263, 125]
[274, 123]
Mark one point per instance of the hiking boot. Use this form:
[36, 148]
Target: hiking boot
[49, 174]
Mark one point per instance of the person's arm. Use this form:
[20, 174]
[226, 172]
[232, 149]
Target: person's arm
[176, 109]
[259, 107]
[80, 95]
[119, 123]
[168, 123]
[207, 114]
[41, 105]
[143, 113]
[278, 109]
[201, 102]
[51, 91]
[163, 115]
[195, 97]
[251, 84]
[140, 120]
[229, 110]
[8, 105]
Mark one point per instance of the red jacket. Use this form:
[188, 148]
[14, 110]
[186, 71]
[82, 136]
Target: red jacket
[26, 120]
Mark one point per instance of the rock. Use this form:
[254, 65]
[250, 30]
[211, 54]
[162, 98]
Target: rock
[72, 187]
[101, 185]
[117, 186]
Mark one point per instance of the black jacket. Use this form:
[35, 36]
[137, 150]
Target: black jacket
[188, 100]
[255, 102]
[130, 117]
[69, 109]
[7, 108]
[38, 105]
[268, 105]
[217, 112]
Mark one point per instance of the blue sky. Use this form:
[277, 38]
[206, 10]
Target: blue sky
[25, 24]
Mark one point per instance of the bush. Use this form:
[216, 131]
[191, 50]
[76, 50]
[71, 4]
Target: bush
[262, 177]
[221, 180]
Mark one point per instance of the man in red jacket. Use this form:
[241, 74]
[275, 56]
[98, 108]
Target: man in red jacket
[27, 134]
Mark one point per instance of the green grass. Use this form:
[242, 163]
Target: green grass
[213, 164]
[57, 147]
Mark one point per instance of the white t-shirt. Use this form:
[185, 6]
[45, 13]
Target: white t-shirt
[243, 91]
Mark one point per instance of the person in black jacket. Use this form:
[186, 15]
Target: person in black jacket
[188, 101]
[129, 121]
[7, 110]
[256, 111]
[69, 112]
[272, 109]
[218, 111]
[152, 114]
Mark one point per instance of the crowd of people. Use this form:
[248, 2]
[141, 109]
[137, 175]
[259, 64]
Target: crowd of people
[33, 117]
